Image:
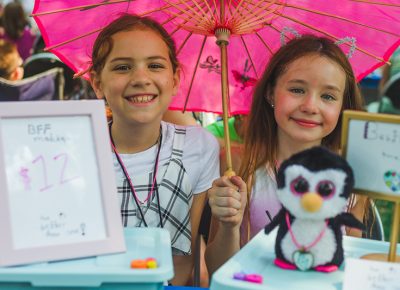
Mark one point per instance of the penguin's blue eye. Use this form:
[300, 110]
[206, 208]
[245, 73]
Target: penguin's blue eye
[326, 188]
[299, 185]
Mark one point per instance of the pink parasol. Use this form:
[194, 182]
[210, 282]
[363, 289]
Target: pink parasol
[250, 30]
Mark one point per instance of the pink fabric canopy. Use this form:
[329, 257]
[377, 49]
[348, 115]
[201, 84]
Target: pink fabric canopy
[367, 31]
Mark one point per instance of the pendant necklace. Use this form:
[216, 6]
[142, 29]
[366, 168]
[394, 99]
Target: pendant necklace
[303, 258]
[154, 183]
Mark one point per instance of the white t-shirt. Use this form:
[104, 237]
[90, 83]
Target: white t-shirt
[200, 157]
[263, 198]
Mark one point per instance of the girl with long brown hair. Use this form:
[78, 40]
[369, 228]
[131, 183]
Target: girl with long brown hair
[297, 104]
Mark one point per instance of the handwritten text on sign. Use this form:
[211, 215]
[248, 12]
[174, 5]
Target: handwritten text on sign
[371, 275]
[54, 198]
[40, 162]
[374, 153]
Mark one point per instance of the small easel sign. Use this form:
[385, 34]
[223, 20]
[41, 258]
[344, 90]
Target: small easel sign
[371, 145]
[58, 196]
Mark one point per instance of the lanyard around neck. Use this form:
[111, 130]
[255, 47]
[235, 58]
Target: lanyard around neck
[131, 187]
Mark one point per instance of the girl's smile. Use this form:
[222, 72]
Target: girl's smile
[307, 123]
[141, 99]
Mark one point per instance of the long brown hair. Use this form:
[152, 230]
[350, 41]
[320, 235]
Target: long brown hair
[261, 139]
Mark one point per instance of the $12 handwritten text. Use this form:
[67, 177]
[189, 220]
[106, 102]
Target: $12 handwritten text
[38, 163]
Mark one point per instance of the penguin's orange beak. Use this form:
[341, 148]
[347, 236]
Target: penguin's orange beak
[311, 201]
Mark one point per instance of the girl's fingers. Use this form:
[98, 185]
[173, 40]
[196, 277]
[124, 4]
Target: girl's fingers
[239, 183]
[230, 220]
[227, 202]
[242, 187]
[224, 192]
[227, 199]
[224, 181]
[223, 212]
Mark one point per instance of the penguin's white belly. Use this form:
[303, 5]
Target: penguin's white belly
[305, 233]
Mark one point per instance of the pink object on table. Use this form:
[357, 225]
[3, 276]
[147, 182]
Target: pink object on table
[326, 269]
[254, 278]
[284, 265]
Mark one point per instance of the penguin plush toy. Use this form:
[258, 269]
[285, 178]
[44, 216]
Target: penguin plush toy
[313, 188]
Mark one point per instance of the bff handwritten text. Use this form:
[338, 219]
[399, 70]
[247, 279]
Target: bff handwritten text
[43, 133]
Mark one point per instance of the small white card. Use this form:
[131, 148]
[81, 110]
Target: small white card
[371, 275]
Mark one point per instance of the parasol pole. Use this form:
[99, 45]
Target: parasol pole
[222, 35]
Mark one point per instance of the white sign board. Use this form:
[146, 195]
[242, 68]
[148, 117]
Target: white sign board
[371, 275]
[58, 189]
[372, 148]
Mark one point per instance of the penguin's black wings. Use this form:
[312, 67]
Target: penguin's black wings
[275, 221]
[349, 220]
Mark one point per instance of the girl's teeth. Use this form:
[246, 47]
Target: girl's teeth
[141, 99]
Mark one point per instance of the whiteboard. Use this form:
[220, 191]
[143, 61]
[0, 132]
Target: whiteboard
[373, 151]
[57, 182]
[52, 175]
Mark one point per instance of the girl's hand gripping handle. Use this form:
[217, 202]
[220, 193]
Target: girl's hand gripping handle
[227, 199]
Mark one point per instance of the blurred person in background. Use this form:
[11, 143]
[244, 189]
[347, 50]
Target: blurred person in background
[10, 61]
[236, 130]
[16, 28]
[236, 125]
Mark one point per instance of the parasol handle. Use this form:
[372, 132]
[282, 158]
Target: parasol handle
[228, 154]
[222, 41]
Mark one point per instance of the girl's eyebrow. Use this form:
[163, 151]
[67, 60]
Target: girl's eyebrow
[333, 88]
[303, 82]
[130, 59]
[297, 81]
[157, 57]
[121, 59]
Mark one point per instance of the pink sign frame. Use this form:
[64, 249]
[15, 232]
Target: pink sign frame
[113, 240]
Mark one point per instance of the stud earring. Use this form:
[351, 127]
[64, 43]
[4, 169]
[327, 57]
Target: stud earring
[269, 101]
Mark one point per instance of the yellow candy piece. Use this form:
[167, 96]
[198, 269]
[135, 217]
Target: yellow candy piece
[152, 264]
